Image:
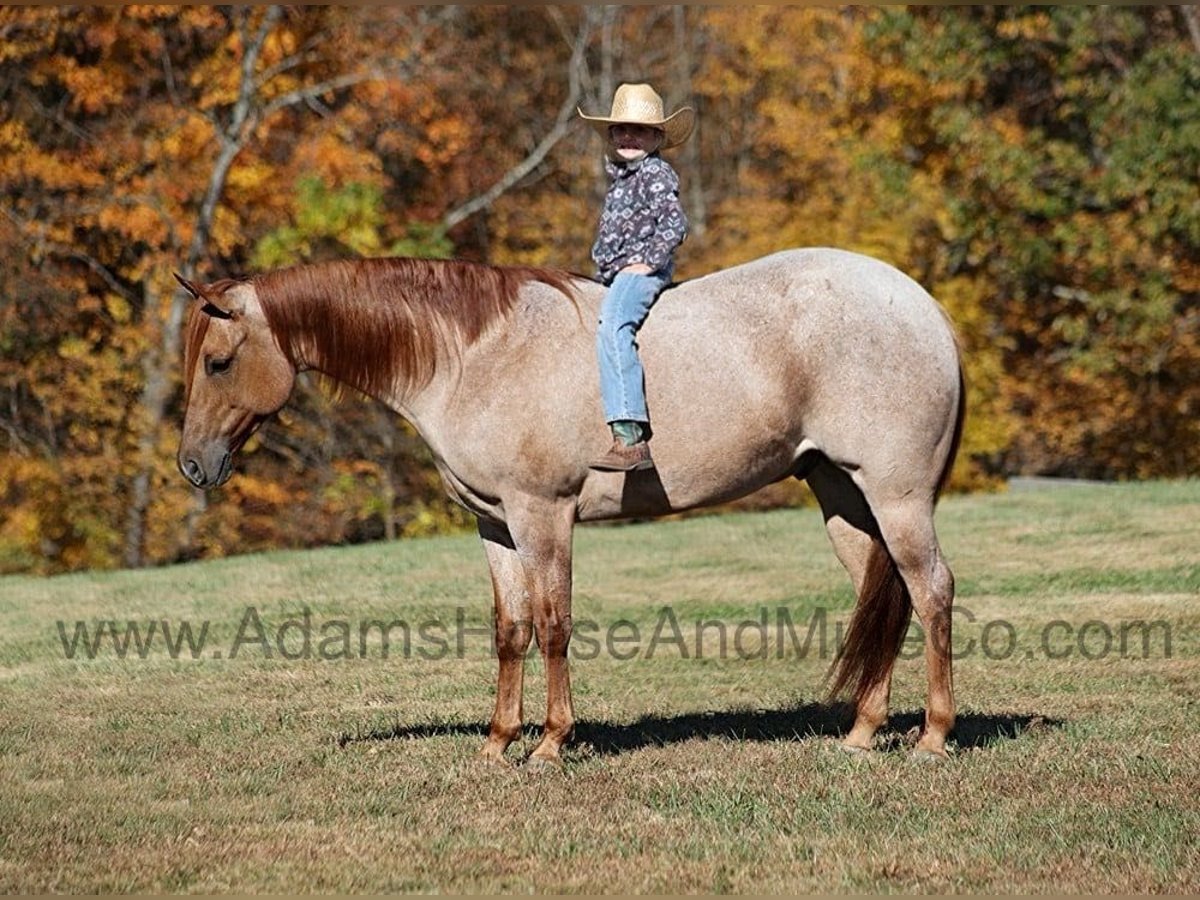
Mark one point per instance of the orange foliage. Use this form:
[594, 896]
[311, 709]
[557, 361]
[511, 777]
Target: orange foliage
[1040, 182]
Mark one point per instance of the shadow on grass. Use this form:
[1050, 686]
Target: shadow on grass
[798, 722]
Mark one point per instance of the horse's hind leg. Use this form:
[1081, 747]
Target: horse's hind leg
[855, 537]
[907, 528]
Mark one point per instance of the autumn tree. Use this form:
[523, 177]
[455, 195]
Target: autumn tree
[1067, 147]
[1035, 167]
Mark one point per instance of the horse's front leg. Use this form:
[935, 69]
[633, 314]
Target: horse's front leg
[513, 631]
[542, 533]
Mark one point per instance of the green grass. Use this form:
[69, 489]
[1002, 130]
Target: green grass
[1072, 769]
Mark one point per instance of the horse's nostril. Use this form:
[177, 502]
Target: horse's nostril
[193, 472]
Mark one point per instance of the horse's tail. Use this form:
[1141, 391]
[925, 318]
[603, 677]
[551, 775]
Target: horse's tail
[884, 610]
[877, 628]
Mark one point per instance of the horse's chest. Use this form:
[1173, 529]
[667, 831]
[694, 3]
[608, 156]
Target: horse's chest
[469, 498]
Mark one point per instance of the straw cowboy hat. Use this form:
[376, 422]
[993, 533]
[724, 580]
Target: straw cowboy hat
[639, 104]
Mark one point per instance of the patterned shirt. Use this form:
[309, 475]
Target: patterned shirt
[643, 220]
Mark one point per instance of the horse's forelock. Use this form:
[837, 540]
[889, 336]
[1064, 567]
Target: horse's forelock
[197, 328]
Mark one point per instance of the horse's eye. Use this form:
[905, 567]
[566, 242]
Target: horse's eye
[215, 366]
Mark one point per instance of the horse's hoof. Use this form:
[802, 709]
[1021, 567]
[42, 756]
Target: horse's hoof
[489, 760]
[538, 765]
[854, 749]
[931, 757]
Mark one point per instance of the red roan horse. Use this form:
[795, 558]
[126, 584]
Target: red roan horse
[819, 364]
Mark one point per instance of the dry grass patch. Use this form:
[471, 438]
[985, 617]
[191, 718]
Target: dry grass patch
[1071, 772]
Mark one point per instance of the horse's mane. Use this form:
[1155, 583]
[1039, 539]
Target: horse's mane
[378, 323]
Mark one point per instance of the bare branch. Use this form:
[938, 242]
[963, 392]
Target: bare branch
[318, 107]
[168, 71]
[17, 441]
[233, 137]
[304, 54]
[314, 91]
[246, 90]
[562, 124]
[56, 117]
[25, 230]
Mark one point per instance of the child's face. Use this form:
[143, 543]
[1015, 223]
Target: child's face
[632, 142]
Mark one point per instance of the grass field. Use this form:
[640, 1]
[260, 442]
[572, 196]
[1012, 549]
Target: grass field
[1076, 766]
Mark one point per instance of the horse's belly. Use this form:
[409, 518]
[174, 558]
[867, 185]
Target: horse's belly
[686, 477]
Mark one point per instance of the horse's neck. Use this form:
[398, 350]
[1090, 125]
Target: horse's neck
[414, 357]
[360, 347]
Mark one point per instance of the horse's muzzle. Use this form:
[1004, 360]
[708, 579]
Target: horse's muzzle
[207, 470]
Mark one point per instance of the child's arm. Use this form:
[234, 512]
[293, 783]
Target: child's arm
[669, 223]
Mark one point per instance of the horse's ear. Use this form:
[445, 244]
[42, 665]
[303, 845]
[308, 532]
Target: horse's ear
[221, 305]
[188, 286]
[218, 308]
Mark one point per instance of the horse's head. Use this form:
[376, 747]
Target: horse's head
[235, 376]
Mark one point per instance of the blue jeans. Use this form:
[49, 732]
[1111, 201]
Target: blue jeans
[622, 313]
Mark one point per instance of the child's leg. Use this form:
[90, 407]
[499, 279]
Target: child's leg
[622, 313]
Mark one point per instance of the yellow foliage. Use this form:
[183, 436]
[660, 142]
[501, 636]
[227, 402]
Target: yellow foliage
[14, 137]
[1033, 27]
[118, 307]
[93, 89]
[135, 221]
[55, 172]
[447, 136]
[279, 44]
[259, 491]
[191, 135]
[251, 176]
[338, 159]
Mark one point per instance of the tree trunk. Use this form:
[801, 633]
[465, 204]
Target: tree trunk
[1191, 16]
[160, 361]
[605, 88]
[697, 208]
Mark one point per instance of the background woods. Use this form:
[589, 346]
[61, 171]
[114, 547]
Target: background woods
[1037, 168]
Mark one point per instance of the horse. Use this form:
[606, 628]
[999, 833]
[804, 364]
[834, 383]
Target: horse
[816, 363]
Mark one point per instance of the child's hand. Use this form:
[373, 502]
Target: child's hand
[637, 269]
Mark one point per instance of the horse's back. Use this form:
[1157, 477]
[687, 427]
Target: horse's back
[825, 295]
[837, 328]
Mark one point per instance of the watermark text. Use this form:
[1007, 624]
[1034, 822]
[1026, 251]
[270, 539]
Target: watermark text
[772, 633]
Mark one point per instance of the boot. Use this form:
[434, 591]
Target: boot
[629, 452]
